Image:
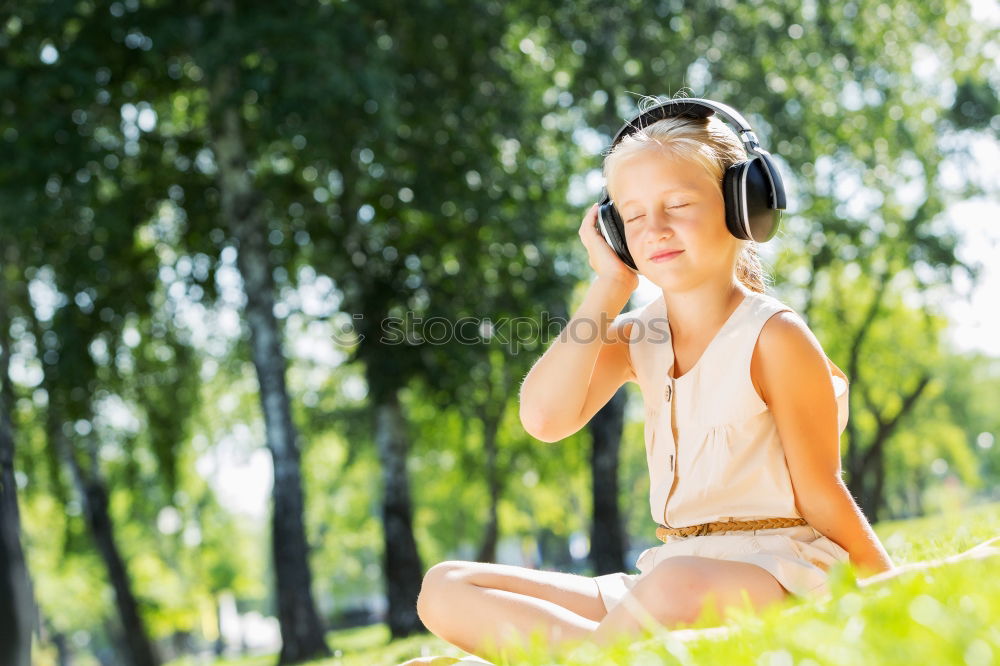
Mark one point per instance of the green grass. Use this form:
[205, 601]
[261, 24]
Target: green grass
[946, 615]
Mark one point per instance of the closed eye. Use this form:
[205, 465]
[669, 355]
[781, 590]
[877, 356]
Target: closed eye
[669, 208]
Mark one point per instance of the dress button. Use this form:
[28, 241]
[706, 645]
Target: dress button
[668, 392]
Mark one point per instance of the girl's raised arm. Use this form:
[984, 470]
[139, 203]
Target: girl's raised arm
[588, 362]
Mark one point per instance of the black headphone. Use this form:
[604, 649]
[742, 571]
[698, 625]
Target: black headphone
[753, 191]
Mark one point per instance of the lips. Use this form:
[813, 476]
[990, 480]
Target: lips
[665, 254]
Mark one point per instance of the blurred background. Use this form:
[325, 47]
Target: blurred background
[208, 210]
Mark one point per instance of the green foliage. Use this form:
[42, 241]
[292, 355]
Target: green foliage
[900, 345]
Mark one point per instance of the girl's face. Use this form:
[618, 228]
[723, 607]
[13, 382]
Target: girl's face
[673, 203]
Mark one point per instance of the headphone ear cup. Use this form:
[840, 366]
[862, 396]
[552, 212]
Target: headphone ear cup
[747, 194]
[613, 227]
[733, 199]
[762, 220]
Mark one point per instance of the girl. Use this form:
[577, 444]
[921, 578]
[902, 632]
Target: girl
[743, 419]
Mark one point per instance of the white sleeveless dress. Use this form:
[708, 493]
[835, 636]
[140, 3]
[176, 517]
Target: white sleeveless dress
[714, 454]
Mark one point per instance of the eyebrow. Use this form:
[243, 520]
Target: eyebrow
[685, 190]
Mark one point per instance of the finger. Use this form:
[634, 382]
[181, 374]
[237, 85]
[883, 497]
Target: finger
[594, 216]
[591, 233]
[596, 226]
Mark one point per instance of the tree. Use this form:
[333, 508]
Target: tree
[17, 606]
[79, 191]
[426, 193]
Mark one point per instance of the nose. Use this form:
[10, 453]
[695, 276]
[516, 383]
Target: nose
[659, 223]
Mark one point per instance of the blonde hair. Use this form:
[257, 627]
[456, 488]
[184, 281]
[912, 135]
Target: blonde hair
[709, 142]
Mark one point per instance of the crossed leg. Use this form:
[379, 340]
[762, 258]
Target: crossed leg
[483, 607]
[467, 602]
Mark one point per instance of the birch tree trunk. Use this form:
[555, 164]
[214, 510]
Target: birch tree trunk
[301, 628]
[94, 497]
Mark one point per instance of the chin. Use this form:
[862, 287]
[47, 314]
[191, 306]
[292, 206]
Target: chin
[665, 282]
[668, 281]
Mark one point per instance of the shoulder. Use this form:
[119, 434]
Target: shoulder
[641, 315]
[787, 356]
[784, 326]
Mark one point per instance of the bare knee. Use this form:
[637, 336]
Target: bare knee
[682, 588]
[433, 599]
[676, 592]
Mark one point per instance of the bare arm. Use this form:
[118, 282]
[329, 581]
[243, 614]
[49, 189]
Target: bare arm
[796, 385]
[588, 362]
[581, 370]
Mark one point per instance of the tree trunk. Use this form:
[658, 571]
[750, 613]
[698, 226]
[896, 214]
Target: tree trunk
[488, 547]
[94, 500]
[95, 505]
[63, 657]
[16, 603]
[301, 629]
[139, 650]
[872, 488]
[607, 551]
[49, 634]
[490, 413]
[401, 561]
[867, 468]
[857, 459]
[878, 492]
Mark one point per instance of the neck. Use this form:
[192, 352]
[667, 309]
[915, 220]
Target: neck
[699, 312]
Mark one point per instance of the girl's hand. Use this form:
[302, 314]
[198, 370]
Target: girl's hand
[602, 256]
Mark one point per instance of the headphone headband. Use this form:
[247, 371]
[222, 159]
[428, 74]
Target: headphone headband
[752, 189]
[692, 107]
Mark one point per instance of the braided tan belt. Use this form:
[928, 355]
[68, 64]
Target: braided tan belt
[724, 526]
